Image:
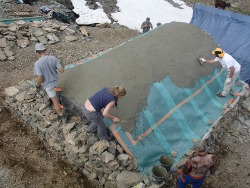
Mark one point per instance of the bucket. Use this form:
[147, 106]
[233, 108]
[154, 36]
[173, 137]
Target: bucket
[159, 174]
[166, 162]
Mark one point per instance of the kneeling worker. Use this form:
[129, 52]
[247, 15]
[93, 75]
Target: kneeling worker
[104, 99]
[228, 63]
[196, 169]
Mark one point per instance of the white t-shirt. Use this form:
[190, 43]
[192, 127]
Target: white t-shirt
[228, 61]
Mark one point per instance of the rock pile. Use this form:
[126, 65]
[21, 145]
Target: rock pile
[21, 34]
[105, 163]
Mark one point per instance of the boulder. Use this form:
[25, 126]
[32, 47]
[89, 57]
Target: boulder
[11, 91]
[128, 179]
[3, 43]
[8, 53]
[23, 42]
[42, 39]
[70, 38]
[12, 27]
[38, 33]
[2, 56]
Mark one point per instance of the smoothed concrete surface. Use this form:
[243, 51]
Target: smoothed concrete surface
[171, 49]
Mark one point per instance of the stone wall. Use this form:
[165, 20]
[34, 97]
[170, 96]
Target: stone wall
[20, 34]
[103, 162]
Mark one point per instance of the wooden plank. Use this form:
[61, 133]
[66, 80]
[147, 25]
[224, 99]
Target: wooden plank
[84, 31]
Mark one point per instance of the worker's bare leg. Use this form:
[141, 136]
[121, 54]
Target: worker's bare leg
[52, 95]
[57, 105]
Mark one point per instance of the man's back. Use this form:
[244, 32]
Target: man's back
[47, 67]
[201, 165]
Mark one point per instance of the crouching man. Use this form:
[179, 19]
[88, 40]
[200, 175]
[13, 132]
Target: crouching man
[46, 71]
[196, 169]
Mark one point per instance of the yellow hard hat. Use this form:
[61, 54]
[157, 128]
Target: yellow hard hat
[219, 52]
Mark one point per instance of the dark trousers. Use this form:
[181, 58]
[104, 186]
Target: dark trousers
[97, 124]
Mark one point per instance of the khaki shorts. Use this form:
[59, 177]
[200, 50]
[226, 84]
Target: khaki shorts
[51, 92]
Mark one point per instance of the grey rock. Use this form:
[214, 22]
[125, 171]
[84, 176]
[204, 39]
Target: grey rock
[93, 176]
[42, 107]
[113, 165]
[68, 127]
[11, 44]
[20, 96]
[146, 180]
[62, 28]
[53, 117]
[39, 115]
[10, 37]
[100, 146]
[92, 140]
[52, 38]
[69, 31]
[33, 39]
[12, 58]
[12, 33]
[113, 175]
[2, 56]
[58, 146]
[53, 128]
[24, 42]
[48, 29]
[3, 43]
[90, 166]
[38, 33]
[55, 26]
[8, 52]
[247, 123]
[71, 148]
[70, 38]
[123, 158]
[111, 184]
[11, 91]
[102, 25]
[3, 30]
[42, 39]
[119, 149]
[106, 157]
[29, 96]
[3, 25]
[128, 179]
[13, 27]
[70, 137]
[83, 149]
[23, 84]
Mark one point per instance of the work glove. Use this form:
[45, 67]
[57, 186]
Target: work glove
[228, 80]
[202, 59]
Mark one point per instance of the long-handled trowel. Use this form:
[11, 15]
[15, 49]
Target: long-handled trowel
[200, 61]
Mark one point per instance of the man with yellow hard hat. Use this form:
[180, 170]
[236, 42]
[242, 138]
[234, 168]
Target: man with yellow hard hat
[228, 63]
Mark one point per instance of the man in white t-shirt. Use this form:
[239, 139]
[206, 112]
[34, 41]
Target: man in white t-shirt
[229, 64]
